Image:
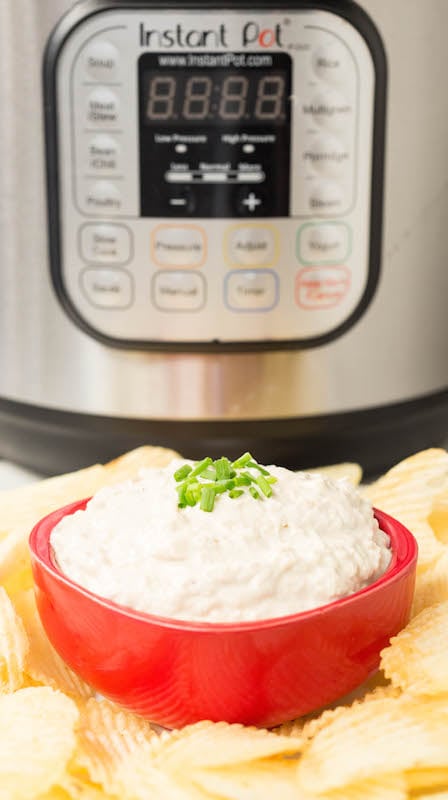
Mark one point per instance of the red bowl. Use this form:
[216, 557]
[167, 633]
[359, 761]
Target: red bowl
[263, 673]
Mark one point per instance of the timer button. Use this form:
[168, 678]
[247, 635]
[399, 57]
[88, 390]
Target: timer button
[178, 291]
[178, 246]
[101, 61]
[251, 245]
[332, 62]
[105, 244]
[102, 108]
[328, 242]
[256, 290]
[107, 288]
[328, 155]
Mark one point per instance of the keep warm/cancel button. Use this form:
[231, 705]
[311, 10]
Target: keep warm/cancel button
[254, 290]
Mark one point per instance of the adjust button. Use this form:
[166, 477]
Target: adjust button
[178, 246]
[256, 290]
[251, 245]
[107, 288]
[102, 109]
[101, 60]
[105, 244]
[178, 291]
[327, 242]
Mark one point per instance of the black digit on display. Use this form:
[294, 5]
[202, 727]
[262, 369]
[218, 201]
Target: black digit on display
[233, 97]
[270, 93]
[162, 91]
[197, 97]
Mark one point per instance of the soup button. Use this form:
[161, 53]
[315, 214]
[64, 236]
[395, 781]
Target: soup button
[256, 290]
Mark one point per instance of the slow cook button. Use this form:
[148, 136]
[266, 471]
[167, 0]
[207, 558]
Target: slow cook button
[251, 245]
[107, 288]
[178, 246]
[105, 244]
[323, 242]
[101, 61]
[178, 291]
[102, 108]
[256, 290]
[102, 197]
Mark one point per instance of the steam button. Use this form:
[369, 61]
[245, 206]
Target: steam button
[327, 197]
[101, 61]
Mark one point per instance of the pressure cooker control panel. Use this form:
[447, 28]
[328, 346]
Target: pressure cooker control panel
[213, 173]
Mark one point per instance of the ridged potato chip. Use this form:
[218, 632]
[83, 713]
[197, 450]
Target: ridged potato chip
[260, 780]
[37, 739]
[13, 646]
[367, 741]
[210, 744]
[432, 585]
[350, 472]
[107, 736]
[418, 780]
[415, 661]
[138, 779]
[408, 491]
[390, 787]
[43, 664]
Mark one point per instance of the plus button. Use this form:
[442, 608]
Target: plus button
[251, 202]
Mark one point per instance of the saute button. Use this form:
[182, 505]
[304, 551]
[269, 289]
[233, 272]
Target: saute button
[251, 245]
[105, 244]
[326, 242]
[178, 291]
[178, 246]
[256, 290]
[107, 288]
[101, 61]
[332, 62]
[102, 108]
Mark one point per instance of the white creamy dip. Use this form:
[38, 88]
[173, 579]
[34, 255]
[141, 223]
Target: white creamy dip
[313, 541]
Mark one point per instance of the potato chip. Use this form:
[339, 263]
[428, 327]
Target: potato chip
[418, 780]
[13, 646]
[349, 471]
[37, 738]
[414, 660]
[107, 735]
[366, 742]
[210, 744]
[265, 780]
[43, 664]
[390, 787]
[443, 795]
[432, 585]
[138, 779]
[408, 491]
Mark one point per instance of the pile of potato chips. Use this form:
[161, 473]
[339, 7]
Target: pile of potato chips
[388, 742]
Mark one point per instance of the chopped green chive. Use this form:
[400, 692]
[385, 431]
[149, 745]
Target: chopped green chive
[254, 465]
[222, 469]
[254, 492]
[242, 461]
[201, 466]
[182, 472]
[207, 498]
[264, 485]
[234, 493]
[209, 473]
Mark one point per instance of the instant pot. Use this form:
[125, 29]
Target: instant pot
[223, 228]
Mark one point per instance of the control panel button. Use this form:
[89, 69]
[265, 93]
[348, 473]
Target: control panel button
[256, 290]
[102, 197]
[251, 245]
[332, 62]
[107, 288]
[105, 244]
[321, 287]
[327, 154]
[101, 60]
[103, 153]
[178, 246]
[102, 109]
[323, 242]
[331, 110]
[327, 197]
[250, 202]
[178, 291]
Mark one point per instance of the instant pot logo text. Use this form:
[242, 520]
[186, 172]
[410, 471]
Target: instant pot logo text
[252, 34]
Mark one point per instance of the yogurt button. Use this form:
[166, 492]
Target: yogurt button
[323, 243]
[102, 108]
[328, 155]
[332, 62]
[101, 61]
[107, 288]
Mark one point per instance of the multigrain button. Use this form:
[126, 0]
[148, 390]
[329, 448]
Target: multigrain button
[323, 242]
[101, 61]
[178, 246]
[251, 245]
[103, 154]
[178, 291]
[256, 290]
[332, 62]
[102, 110]
[103, 197]
[105, 244]
[107, 288]
[327, 154]
[330, 109]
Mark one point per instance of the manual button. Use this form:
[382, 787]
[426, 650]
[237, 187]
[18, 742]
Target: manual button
[178, 291]
[178, 246]
[251, 245]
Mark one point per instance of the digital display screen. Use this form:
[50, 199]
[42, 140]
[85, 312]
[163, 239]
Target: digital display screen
[221, 97]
